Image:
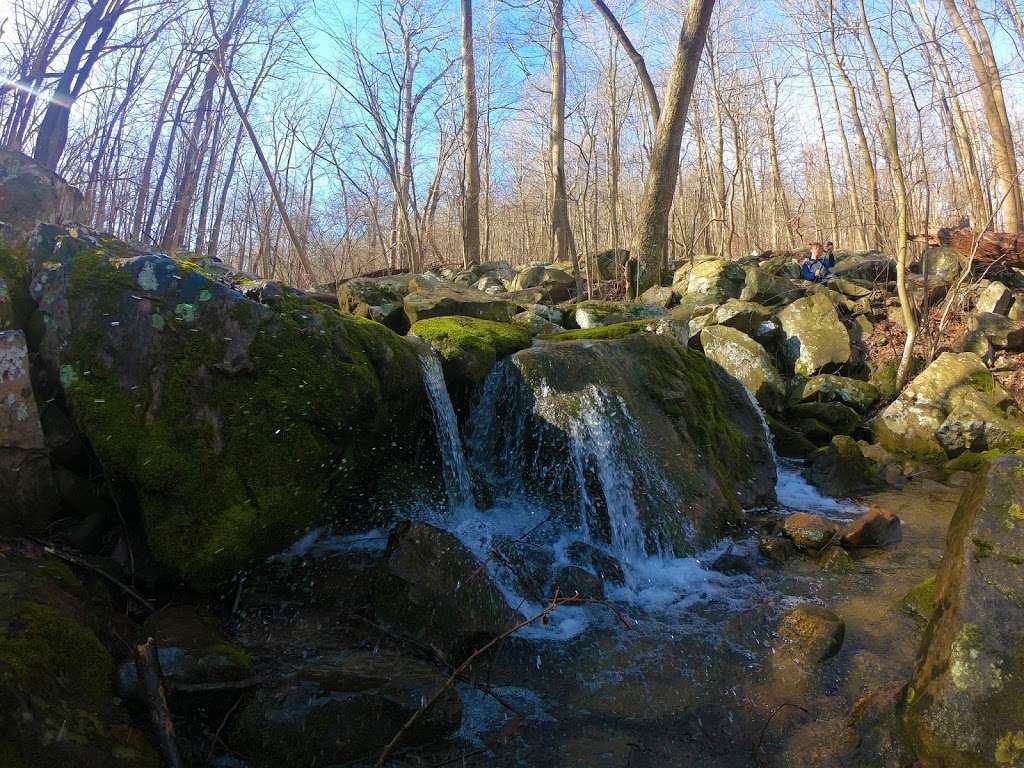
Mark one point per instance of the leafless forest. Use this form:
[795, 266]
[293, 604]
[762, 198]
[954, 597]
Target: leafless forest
[310, 140]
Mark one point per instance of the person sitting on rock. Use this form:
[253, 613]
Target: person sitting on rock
[814, 268]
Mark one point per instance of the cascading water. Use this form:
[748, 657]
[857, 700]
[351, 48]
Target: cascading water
[791, 488]
[457, 481]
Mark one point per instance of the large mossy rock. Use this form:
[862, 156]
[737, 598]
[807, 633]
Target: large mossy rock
[58, 706]
[237, 425]
[439, 300]
[469, 347]
[348, 711]
[431, 587]
[747, 361]
[377, 298]
[31, 194]
[954, 405]
[964, 703]
[813, 336]
[667, 447]
[859, 395]
[594, 313]
[717, 279]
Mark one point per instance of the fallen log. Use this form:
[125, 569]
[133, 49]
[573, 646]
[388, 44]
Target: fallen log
[1005, 248]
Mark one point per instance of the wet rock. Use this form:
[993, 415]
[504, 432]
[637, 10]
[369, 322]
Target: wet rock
[963, 706]
[777, 549]
[835, 559]
[717, 280]
[31, 194]
[840, 469]
[573, 580]
[707, 461]
[859, 395]
[810, 531]
[222, 414]
[995, 298]
[840, 419]
[812, 633]
[789, 442]
[878, 527]
[26, 479]
[56, 674]
[954, 405]
[1002, 332]
[813, 336]
[732, 565]
[444, 300]
[601, 563]
[469, 347]
[344, 712]
[435, 590]
[747, 361]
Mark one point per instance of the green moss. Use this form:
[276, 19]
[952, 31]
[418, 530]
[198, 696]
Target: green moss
[471, 346]
[982, 549]
[51, 655]
[970, 461]
[232, 467]
[14, 272]
[920, 600]
[613, 331]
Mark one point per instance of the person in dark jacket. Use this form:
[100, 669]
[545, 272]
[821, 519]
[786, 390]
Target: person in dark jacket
[830, 255]
[815, 268]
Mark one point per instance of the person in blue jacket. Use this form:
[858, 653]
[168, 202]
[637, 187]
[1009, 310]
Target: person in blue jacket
[815, 268]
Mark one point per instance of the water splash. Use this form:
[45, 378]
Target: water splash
[791, 488]
[457, 481]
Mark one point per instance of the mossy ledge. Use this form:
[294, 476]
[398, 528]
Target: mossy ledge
[470, 346]
[613, 331]
[238, 426]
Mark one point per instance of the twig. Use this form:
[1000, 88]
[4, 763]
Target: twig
[147, 664]
[764, 728]
[83, 563]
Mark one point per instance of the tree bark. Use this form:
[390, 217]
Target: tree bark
[470, 119]
[659, 188]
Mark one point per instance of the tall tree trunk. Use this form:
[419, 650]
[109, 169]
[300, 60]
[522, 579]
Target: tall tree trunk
[832, 210]
[471, 194]
[659, 188]
[892, 149]
[560, 232]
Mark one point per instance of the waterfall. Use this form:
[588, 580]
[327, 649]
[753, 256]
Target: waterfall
[791, 488]
[457, 482]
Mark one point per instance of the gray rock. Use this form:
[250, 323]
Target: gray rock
[1002, 332]
[995, 298]
[747, 361]
[963, 706]
[574, 580]
[813, 336]
[744, 316]
[716, 279]
[763, 287]
[441, 301]
[860, 395]
[31, 194]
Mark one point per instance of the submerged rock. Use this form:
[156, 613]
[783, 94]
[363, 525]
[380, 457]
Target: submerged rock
[343, 712]
[963, 706]
[434, 589]
[648, 442]
[812, 633]
[954, 405]
[238, 426]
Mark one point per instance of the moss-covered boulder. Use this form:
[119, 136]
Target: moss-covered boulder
[334, 714]
[963, 705]
[237, 425]
[32, 194]
[666, 446]
[954, 405]
[746, 360]
[717, 279]
[377, 298]
[765, 288]
[859, 395]
[813, 336]
[613, 331]
[441, 300]
[470, 347]
[594, 313]
[58, 706]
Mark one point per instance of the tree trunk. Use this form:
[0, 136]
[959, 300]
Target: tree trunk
[560, 233]
[471, 194]
[659, 188]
